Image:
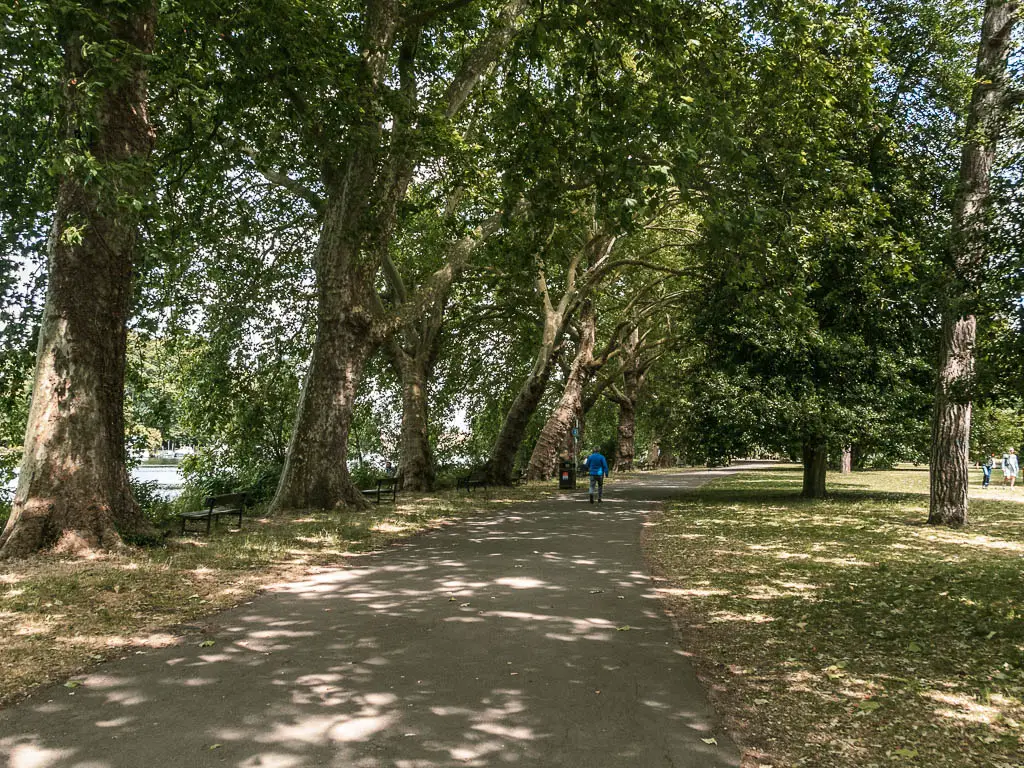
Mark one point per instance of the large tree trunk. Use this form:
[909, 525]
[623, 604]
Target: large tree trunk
[815, 458]
[417, 462]
[315, 474]
[625, 446]
[414, 350]
[951, 420]
[846, 460]
[513, 429]
[544, 459]
[634, 372]
[951, 424]
[73, 488]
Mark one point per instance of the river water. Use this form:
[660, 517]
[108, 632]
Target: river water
[169, 479]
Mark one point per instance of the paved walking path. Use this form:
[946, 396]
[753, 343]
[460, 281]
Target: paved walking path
[527, 637]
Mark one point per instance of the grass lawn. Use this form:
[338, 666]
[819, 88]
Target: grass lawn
[58, 614]
[845, 632]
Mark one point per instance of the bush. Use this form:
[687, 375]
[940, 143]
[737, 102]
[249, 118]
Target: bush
[154, 507]
[366, 475]
[211, 471]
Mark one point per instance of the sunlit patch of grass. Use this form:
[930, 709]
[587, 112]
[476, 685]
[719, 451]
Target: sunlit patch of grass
[845, 632]
[58, 615]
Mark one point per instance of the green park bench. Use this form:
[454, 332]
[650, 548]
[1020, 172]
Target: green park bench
[216, 507]
[475, 479]
[385, 486]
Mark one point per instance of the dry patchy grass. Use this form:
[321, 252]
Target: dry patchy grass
[845, 632]
[58, 614]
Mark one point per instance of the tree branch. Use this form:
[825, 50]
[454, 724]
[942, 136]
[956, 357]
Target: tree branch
[285, 181]
[483, 56]
[436, 287]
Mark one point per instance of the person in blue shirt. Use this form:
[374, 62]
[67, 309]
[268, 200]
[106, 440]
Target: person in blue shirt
[597, 467]
[986, 470]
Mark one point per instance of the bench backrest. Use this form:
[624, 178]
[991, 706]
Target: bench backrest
[387, 481]
[227, 500]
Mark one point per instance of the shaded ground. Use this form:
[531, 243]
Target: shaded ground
[845, 633]
[527, 637]
[60, 615]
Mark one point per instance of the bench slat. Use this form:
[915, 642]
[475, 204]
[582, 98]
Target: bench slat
[224, 505]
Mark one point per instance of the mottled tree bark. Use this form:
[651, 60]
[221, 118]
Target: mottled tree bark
[417, 456]
[544, 459]
[513, 428]
[315, 474]
[951, 423]
[625, 446]
[951, 419]
[634, 372]
[815, 458]
[846, 460]
[414, 351]
[73, 490]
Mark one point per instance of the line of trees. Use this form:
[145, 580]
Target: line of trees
[717, 229]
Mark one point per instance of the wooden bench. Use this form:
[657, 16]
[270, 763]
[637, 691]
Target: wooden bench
[519, 477]
[385, 486]
[475, 479]
[225, 505]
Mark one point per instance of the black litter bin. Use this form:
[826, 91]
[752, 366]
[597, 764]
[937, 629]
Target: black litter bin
[566, 476]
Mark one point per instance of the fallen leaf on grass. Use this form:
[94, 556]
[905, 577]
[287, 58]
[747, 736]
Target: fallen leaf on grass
[73, 684]
[624, 628]
[712, 740]
[207, 643]
[904, 752]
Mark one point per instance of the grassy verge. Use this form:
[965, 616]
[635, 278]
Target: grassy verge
[846, 633]
[58, 615]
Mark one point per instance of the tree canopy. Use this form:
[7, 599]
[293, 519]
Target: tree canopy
[445, 236]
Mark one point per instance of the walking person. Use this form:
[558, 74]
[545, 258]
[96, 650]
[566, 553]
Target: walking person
[597, 468]
[1011, 467]
[986, 469]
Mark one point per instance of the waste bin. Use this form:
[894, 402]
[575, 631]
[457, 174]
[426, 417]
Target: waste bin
[566, 475]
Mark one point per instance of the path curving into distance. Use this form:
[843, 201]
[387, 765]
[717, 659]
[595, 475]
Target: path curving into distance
[526, 637]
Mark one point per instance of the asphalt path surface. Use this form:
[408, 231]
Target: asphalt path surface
[531, 636]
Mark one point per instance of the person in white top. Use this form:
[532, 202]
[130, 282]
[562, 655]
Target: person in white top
[1011, 467]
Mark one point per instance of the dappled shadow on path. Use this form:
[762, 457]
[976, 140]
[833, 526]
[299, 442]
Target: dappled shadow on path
[531, 637]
